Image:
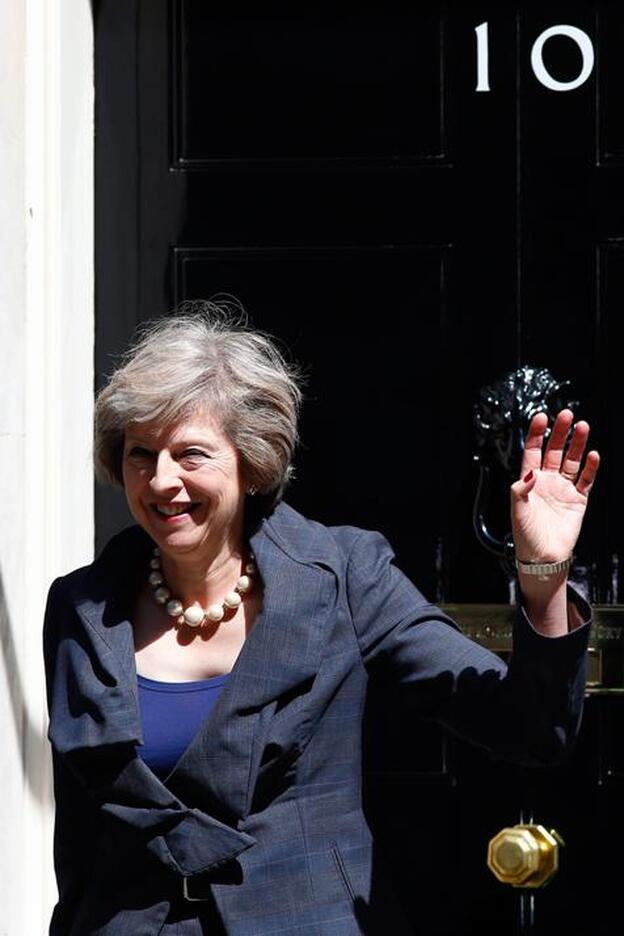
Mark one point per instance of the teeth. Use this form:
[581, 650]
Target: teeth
[173, 510]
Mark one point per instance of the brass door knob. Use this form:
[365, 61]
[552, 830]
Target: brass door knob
[524, 855]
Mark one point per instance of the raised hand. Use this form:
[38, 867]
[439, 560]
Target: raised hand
[548, 502]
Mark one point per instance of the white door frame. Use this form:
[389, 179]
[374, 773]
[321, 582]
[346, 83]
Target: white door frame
[46, 401]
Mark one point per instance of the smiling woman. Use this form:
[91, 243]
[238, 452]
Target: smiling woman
[208, 674]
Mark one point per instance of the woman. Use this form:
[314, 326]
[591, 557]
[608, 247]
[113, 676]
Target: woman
[207, 673]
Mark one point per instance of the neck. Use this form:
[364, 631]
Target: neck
[203, 582]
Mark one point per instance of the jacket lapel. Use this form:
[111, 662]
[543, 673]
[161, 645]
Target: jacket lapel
[280, 657]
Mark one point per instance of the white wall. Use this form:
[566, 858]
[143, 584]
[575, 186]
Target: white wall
[46, 385]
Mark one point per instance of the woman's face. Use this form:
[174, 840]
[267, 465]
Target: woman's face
[184, 485]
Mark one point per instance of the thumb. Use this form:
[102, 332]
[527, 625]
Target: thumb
[522, 488]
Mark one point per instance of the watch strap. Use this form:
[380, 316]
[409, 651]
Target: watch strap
[543, 569]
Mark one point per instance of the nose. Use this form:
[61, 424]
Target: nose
[165, 480]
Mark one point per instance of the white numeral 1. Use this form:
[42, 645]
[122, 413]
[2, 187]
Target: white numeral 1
[483, 78]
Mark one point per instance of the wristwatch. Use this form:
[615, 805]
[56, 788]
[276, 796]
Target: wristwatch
[543, 570]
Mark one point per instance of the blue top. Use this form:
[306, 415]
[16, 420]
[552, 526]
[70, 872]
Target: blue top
[171, 715]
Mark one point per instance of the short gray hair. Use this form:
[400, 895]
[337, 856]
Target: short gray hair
[205, 357]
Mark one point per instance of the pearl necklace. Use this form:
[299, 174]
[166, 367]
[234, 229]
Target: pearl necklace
[195, 615]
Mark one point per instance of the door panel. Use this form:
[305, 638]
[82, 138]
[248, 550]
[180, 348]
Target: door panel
[232, 106]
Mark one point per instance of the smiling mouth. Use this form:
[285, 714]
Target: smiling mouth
[174, 510]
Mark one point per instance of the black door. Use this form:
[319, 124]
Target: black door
[417, 199]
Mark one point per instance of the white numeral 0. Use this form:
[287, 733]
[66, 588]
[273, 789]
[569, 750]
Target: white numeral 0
[587, 51]
[537, 61]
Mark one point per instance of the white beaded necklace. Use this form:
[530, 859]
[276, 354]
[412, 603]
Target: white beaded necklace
[195, 615]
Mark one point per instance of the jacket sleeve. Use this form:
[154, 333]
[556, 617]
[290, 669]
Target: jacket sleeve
[95, 753]
[76, 830]
[528, 711]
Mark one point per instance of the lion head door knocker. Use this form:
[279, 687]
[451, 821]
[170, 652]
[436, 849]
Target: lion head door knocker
[502, 416]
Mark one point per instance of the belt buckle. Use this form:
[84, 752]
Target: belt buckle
[187, 896]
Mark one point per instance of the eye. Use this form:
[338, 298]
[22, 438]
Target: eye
[193, 456]
[138, 451]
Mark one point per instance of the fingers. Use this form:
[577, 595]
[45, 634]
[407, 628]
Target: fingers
[532, 455]
[571, 464]
[553, 456]
[588, 475]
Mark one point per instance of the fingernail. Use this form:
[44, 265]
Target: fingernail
[528, 476]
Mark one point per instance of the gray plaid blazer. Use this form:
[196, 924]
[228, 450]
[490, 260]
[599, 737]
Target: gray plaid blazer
[259, 827]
